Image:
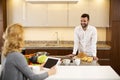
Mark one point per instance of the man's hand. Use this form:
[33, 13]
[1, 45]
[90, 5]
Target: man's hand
[95, 58]
[70, 55]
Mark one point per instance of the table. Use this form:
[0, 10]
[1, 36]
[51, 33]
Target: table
[81, 73]
[84, 73]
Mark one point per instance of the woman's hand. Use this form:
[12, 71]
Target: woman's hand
[52, 71]
[41, 66]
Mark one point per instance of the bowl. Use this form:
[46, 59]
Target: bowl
[66, 61]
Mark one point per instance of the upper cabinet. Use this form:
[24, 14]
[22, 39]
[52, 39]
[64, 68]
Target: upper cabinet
[57, 13]
[97, 9]
[99, 12]
[36, 15]
[115, 10]
[75, 11]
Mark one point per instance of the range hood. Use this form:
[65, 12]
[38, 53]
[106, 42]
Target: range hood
[52, 0]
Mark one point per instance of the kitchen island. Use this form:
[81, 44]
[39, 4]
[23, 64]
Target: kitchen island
[82, 73]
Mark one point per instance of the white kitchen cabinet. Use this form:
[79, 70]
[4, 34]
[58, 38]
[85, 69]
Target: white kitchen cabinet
[36, 15]
[99, 12]
[57, 14]
[14, 12]
[75, 11]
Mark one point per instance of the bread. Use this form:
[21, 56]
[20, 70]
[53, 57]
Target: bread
[84, 57]
[81, 55]
[90, 59]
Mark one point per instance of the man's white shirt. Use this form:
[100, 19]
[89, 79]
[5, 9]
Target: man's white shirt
[85, 40]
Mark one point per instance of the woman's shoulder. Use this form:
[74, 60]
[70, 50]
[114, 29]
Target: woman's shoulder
[15, 54]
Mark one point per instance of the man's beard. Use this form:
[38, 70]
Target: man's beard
[84, 26]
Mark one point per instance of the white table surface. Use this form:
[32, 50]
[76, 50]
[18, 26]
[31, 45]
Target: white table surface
[83, 73]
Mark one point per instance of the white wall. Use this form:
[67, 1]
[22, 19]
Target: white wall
[63, 33]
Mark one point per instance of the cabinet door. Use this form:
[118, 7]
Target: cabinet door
[1, 17]
[115, 56]
[115, 10]
[57, 14]
[75, 11]
[104, 57]
[99, 12]
[1, 34]
[36, 14]
[50, 51]
[28, 14]
[97, 9]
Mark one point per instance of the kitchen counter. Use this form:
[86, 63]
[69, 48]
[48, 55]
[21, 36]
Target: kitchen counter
[63, 45]
[81, 73]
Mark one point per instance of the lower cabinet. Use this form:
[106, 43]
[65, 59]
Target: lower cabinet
[103, 55]
[50, 51]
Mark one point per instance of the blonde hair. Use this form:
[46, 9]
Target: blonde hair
[13, 39]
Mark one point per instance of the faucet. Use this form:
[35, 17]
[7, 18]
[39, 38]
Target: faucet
[57, 39]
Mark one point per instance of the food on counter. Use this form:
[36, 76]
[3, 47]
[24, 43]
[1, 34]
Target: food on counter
[33, 59]
[41, 59]
[90, 59]
[66, 61]
[28, 56]
[87, 59]
[84, 57]
[81, 55]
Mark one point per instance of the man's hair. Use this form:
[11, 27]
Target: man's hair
[85, 15]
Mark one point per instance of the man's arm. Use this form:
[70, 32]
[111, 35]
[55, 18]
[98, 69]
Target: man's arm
[76, 41]
[94, 42]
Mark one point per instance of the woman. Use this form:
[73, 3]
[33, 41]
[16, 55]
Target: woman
[16, 67]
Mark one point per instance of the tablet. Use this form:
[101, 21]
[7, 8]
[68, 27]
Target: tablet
[50, 62]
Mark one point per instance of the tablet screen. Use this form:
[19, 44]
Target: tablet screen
[51, 62]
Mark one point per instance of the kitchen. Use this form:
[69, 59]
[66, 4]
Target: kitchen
[36, 27]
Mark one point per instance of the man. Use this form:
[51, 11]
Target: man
[85, 38]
